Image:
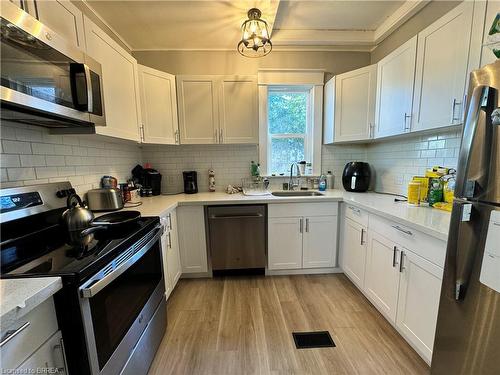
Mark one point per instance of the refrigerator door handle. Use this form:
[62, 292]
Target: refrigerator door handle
[478, 101]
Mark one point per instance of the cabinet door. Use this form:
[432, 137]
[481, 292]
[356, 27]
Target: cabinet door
[320, 242]
[173, 256]
[192, 240]
[395, 79]
[198, 109]
[158, 106]
[419, 293]
[120, 84]
[329, 112]
[441, 70]
[354, 252]
[62, 17]
[285, 243]
[355, 104]
[487, 55]
[239, 117]
[382, 274]
[48, 356]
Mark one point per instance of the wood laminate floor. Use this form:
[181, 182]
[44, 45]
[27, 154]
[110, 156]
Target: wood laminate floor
[244, 325]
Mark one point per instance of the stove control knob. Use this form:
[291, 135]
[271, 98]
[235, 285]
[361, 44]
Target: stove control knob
[61, 194]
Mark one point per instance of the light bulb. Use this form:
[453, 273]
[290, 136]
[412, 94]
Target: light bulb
[253, 27]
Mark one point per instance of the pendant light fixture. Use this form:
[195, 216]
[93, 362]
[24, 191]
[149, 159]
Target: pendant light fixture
[255, 41]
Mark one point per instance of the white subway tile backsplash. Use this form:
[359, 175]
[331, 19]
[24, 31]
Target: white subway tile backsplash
[10, 161]
[19, 174]
[32, 160]
[16, 147]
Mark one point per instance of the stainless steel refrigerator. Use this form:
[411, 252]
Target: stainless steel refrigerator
[467, 340]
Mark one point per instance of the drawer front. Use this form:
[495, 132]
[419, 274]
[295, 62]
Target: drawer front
[42, 325]
[49, 356]
[356, 214]
[302, 209]
[428, 247]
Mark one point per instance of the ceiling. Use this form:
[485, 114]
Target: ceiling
[215, 25]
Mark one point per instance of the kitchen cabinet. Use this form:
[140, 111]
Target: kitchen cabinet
[120, 84]
[238, 110]
[302, 236]
[319, 236]
[354, 251]
[158, 106]
[48, 356]
[487, 55]
[170, 252]
[382, 274]
[441, 70]
[418, 303]
[395, 80]
[285, 243]
[59, 15]
[217, 109]
[350, 104]
[192, 240]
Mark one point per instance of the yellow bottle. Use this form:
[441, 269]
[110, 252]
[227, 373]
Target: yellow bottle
[414, 193]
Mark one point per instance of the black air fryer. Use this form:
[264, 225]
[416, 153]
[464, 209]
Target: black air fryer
[356, 176]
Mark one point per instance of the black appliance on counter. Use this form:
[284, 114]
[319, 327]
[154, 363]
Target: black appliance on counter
[356, 176]
[149, 178]
[111, 309]
[190, 182]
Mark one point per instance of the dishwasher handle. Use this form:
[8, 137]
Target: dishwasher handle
[236, 216]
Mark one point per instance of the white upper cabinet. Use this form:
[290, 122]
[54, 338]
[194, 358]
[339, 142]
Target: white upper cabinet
[487, 55]
[239, 121]
[395, 79]
[329, 112]
[198, 109]
[62, 17]
[441, 70]
[59, 15]
[354, 110]
[158, 106]
[120, 84]
[217, 109]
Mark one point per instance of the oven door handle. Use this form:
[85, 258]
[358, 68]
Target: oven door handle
[99, 282]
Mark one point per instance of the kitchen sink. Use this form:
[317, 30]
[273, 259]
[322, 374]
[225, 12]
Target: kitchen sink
[297, 194]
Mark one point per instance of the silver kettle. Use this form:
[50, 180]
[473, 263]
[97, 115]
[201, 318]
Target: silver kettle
[77, 218]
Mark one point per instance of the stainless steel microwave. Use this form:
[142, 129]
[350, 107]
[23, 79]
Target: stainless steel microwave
[45, 80]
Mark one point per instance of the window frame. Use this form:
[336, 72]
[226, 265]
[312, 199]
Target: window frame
[288, 80]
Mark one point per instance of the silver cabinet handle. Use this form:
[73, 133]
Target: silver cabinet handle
[301, 225]
[357, 210]
[394, 256]
[60, 347]
[401, 267]
[221, 139]
[169, 240]
[402, 230]
[10, 334]
[176, 135]
[216, 134]
[307, 225]
[370, 130]
[453, 117]
[407, 116]
[362, 242]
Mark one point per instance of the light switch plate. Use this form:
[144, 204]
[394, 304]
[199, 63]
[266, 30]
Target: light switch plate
[490, 269]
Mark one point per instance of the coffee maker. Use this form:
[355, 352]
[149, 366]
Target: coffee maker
[190, 182]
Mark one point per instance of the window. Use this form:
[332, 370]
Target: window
[289, 127]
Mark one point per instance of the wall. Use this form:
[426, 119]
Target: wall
[31, 155]
[426, 16]
[396, 161]
[231, 62]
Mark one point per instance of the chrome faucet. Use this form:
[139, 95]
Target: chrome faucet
[291, 184]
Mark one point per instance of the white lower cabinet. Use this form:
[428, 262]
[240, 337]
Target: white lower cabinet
[170, 252]
[49, 356]
[419, 293]
[399, 271]
[382, 275]
[192, 240]
[301, 237]
[354, 251]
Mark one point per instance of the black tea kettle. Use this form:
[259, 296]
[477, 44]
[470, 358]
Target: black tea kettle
[76, 219]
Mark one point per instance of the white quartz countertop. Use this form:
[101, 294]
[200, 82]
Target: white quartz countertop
[20, 296]
[425, 219]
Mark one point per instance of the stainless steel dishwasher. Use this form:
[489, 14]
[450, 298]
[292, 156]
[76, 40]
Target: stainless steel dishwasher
[237, 237]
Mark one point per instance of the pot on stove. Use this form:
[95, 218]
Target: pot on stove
[77, 219]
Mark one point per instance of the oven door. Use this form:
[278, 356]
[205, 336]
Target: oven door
[44, 74]
[118, 303]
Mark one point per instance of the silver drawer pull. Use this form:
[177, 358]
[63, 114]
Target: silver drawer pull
[402, 230]
[10, 334]
[357, 210]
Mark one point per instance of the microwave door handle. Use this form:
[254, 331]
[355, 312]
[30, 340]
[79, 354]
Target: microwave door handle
[98, 284]
[88, 80]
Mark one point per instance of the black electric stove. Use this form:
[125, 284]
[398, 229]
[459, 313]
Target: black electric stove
[113, 289]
